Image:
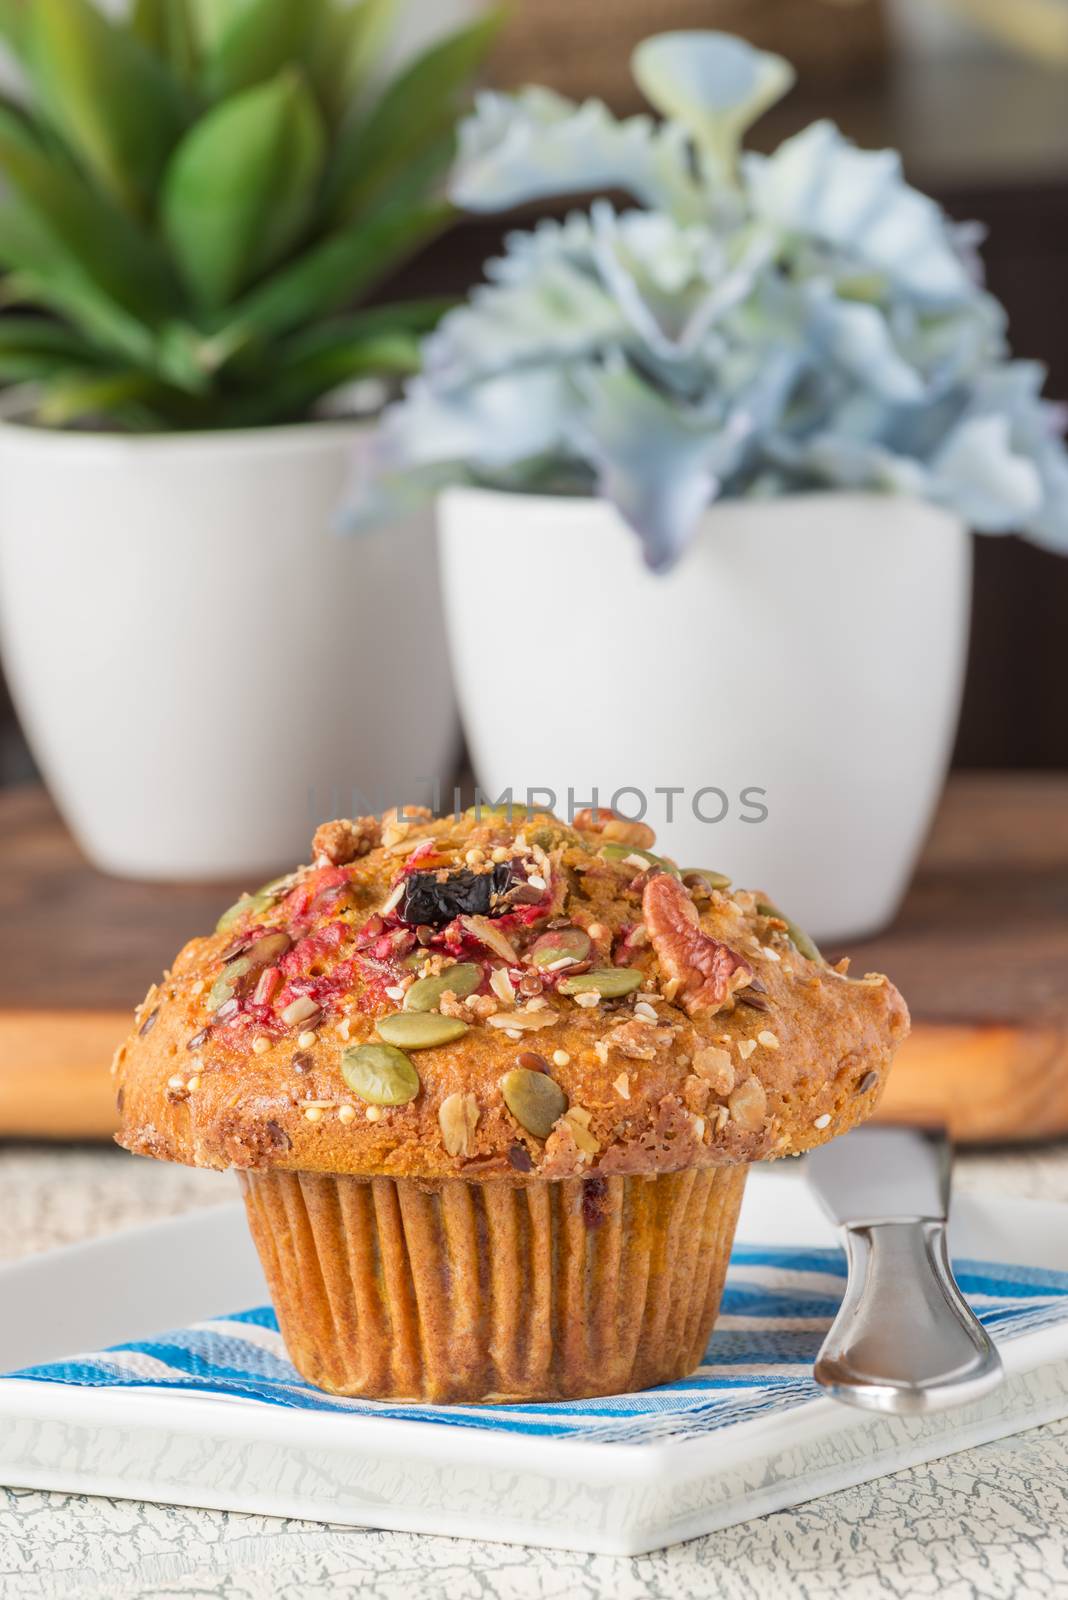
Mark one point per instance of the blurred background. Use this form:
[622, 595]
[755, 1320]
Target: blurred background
[973, 92]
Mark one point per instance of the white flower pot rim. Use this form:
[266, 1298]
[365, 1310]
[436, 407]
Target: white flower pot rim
[290, 438]
[729, 503]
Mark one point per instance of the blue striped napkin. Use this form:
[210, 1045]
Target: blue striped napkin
[777, 1306]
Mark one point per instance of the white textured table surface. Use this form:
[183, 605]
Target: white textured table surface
[990, 1523]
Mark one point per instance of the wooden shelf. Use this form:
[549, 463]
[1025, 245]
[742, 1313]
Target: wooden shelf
[980, 950]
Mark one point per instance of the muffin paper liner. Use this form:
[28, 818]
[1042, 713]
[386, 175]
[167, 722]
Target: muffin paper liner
[455, 1291]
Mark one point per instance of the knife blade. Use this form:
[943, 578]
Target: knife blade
[905, 1340]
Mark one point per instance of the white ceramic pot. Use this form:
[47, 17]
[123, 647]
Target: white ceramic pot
[203, 667]
[805, 658]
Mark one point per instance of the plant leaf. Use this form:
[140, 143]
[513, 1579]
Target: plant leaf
[345, 43]
[210, 19]
[713, 84]
[410, 317]
[54, 281]
[295, 385]
[413, 111]
[819, 185]
[109, 246]
[333, 273]
[241, 186]
[78, 394]
[42, 336]
[658, 464]
[165, 27]
[255, 42]
[13, 22]
[111, 98]
[537, 144]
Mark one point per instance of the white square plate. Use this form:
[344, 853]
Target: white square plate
[196, 1449]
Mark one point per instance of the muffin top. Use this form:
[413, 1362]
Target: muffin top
[500, 995]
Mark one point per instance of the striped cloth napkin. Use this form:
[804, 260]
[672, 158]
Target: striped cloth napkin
[777, 1306]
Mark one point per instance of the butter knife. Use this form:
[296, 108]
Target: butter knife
[905, 1340]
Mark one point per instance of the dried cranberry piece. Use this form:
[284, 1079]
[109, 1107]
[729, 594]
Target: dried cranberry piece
[462, 894]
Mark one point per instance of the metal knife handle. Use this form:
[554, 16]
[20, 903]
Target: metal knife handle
[905, 1340]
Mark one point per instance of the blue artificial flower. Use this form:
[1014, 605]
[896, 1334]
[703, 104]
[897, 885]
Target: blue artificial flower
[750, 325]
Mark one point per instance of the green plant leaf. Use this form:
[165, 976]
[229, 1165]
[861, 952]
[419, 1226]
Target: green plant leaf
[210, 19]
[42, 336]
[412, 112]
[411, 317]
[77, 395]
[292, 387]
[241, 186]
[165, 27]
[111, 98]
[109, 246]
[333, 273]
[41, 275]
[13, 22]
[257, 39]
[346, 43]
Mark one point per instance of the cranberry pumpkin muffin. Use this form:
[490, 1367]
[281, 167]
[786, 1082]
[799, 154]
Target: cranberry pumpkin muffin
[492, 1085]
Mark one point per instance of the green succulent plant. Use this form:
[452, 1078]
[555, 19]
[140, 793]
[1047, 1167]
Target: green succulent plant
[197, 194]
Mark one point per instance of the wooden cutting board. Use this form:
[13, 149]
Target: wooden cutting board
[980, 950]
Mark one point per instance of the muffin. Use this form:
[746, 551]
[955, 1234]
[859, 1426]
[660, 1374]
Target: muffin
[492, 1085]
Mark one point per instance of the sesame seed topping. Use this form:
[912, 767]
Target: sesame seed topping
[746, 1048]
[772, 955]
[514, 1033]
[622, 1086]
[821, 1122]
[644, 1010]
[560, 1058]
[343, 1028]
[177, 1082]
[396, 991]
[499, 855]
[373, 1113]
[769, 1040]
[587, 999]
[535, 881]
[313, 1114]
[198, 987]
[261, 1045]
[346, 1113]
[194, 1082]
[306, 1040]
[564, 961]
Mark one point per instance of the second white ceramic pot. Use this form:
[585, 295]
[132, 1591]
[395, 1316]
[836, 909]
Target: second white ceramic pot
[795, 680]
[203, 667]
